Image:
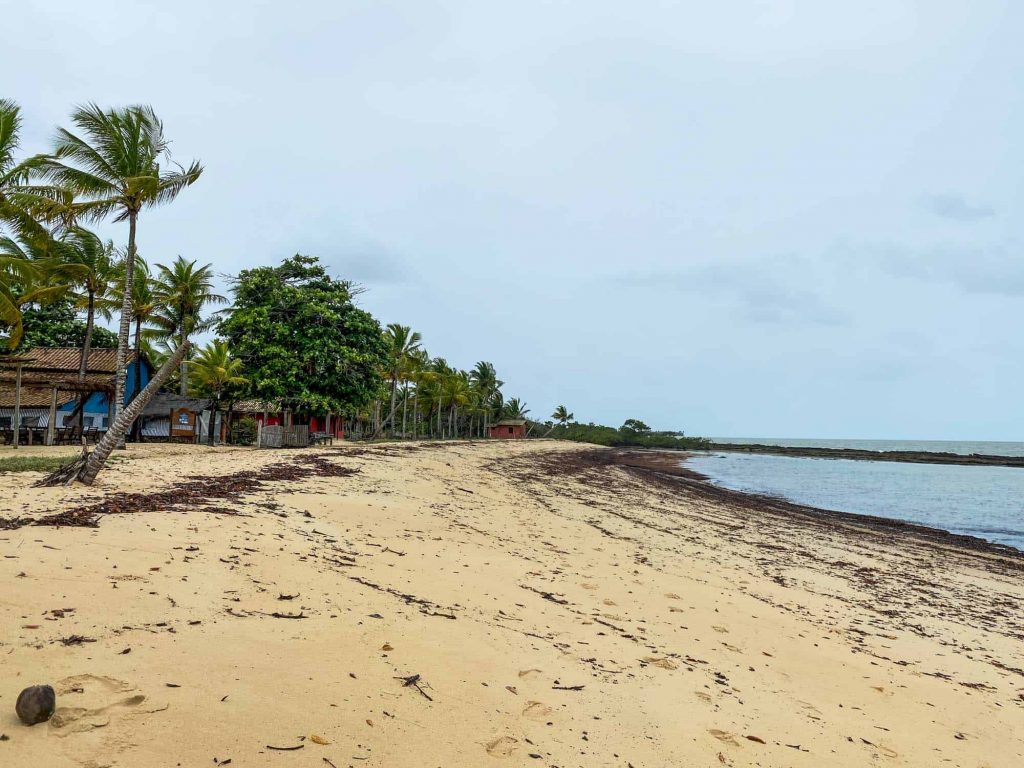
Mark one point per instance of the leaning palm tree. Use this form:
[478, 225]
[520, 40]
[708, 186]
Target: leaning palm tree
[182, 292]
[111, 164]
[215, 371]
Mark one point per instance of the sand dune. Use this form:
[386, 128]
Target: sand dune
[487, 604]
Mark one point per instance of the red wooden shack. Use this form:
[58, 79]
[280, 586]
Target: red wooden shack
[509, 429]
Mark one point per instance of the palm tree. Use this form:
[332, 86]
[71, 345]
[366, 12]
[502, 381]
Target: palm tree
[403, 342]
[514, 409]
[14, 175]
[15, 271]
[215, 371]
[485, 380]
[113, 165]
[562, 416]
[94, 272]
[30, 271]
[182, 291]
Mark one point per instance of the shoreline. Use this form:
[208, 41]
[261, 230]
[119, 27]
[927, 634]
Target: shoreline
[669, 466]
[860, 454]
[553, 604]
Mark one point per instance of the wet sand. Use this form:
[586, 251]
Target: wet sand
[490, 604]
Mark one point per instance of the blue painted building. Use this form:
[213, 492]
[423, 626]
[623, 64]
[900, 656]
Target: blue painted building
[52, 369]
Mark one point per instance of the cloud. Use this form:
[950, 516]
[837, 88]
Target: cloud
[769, 291]
[993, 269]
[956, 208]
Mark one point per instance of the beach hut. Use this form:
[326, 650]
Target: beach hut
[42, 396]
[509, 429]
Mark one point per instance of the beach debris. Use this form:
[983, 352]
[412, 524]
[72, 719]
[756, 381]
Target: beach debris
[285, 749]
[35, 704]
[278, 615]
[566, 687]
[758, 739]
[319, 740]
[329, 762]
[287, 597]
[387, 647]
[221, 762]
[414, 682]
[76, 640]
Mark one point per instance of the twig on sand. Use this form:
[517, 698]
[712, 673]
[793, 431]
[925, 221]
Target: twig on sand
[414, 681]
[279, 615]
[285, 749]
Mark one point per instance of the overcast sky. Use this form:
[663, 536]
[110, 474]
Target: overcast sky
[739, 218]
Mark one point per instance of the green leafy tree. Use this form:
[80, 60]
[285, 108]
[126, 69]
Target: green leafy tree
[302, 340]
[111, 163]
[635, 426]
[215, 372]
[485, 381]
[59, 324]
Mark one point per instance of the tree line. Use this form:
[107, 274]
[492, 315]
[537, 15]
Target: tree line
[291, 335]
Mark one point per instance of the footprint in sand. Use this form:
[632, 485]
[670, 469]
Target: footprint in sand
[703, 696]
[606, 601]
[526, 673]
[99, 699]
[721, 629]
[672, 596]
[724, 736]
[537, 710]
[503, 746]
[589, 586]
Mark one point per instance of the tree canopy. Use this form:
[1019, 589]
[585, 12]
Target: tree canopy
[302, 340]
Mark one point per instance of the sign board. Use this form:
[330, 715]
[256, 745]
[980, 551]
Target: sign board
[183, 422]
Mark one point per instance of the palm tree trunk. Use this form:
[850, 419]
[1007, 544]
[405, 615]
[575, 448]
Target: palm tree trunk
[214, 405]
[137, 425]
[183, 372]
[121, 358]
[405, 410]
[83, 364]
[394, 393]
[415, 413]
[116, 432]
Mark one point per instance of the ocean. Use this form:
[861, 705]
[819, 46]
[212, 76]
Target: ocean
[987, 502]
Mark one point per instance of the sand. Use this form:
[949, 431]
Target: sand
[558, 609]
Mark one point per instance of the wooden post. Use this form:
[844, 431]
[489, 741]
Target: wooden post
[259, 434]
[51, 424]
[328, 425]
[17, 404]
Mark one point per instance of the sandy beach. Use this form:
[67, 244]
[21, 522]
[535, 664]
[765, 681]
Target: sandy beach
[486, 604]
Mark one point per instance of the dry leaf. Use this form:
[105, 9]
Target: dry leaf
[387, 647]
[319, 740]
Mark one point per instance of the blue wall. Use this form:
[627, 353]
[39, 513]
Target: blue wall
[97, 402]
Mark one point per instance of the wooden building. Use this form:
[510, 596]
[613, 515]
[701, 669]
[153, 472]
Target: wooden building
[509, 429]
[41, 390]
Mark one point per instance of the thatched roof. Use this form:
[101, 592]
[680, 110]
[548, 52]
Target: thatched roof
[510, 423]
[44, 368]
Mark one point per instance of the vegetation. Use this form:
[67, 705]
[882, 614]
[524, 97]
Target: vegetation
[632, 433]
[216, 372]
[293, 336]
[302, 341]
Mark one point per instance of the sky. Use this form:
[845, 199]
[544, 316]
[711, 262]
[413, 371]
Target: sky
[776, 218]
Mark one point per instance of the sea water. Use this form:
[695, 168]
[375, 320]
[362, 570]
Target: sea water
[987, 502]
